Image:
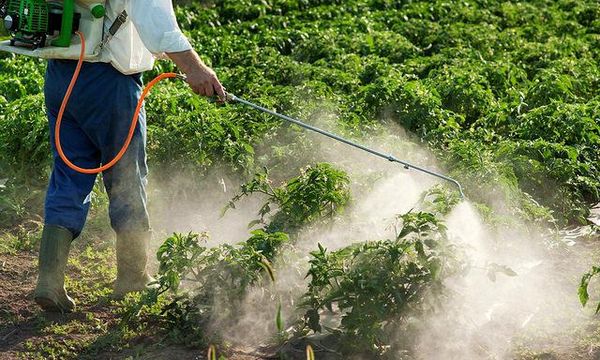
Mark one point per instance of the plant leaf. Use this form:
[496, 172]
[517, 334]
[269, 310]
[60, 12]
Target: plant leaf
[278, 319]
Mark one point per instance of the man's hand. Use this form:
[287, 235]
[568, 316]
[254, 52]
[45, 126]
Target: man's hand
[200, 77]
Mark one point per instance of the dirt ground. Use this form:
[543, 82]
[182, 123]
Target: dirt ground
[26, 332]
[17, 276]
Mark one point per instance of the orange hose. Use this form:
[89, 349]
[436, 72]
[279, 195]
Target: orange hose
[133, 121]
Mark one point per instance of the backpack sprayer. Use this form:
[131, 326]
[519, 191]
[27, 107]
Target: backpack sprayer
[58, 30]
[46, 29]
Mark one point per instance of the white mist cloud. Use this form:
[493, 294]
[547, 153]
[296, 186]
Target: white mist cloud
[485, 319]
[481, 319]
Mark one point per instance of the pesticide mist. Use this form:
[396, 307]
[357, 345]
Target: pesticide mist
[490, 313]
[518, 285]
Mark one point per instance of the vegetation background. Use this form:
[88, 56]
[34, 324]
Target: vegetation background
[501, 95]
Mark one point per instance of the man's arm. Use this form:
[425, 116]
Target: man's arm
[201, 78]
[157, 26]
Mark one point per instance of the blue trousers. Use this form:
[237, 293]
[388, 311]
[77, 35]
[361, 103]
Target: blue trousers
[94, 128]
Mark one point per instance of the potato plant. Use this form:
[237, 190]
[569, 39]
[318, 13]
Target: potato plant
[375, 287]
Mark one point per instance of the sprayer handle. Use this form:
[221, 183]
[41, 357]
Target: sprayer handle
[228, 97]
[215, 98]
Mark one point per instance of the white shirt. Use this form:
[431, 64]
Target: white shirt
[150, 31]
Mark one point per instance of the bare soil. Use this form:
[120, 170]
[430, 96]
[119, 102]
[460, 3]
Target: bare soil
[23, 326]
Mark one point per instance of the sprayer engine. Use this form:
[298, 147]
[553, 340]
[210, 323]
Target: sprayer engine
[32, 22]
[41, 28]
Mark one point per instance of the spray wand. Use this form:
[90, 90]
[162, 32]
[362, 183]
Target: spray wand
[391, 158]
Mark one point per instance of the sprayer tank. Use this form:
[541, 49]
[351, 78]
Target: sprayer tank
[91, 24]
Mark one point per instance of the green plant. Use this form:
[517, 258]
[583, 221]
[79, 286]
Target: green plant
[375, 285]
[212, 275]
[320, 192]
[18, 204]
[439, 200]
[489, 74]
[177, 256]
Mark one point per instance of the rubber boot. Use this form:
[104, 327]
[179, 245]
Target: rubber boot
[131, 263]
[50, 291]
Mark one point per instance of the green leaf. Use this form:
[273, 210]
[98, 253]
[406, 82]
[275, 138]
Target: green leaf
[584, 284]
[266, 265]
[212, 353]
[253, 223]
[310, 354]
[493, 269]
[279, 319]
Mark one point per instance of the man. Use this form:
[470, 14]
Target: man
[94, 128]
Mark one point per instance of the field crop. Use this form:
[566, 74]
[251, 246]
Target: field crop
[504, 95]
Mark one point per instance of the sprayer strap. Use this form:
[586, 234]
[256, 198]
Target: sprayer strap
[114, 28]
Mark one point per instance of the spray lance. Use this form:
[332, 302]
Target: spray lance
[45, 29]
[391, 158]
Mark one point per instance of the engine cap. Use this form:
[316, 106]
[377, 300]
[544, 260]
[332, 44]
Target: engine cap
[10, 22]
